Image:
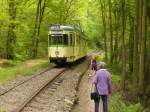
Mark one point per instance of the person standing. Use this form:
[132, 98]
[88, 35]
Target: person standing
[93, 64]
[103, 87]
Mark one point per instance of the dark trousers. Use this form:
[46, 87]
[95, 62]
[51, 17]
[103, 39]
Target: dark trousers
[105, 103]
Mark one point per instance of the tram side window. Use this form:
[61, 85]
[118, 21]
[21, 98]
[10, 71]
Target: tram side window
[71, 40]
[49, 39]
[65, 39]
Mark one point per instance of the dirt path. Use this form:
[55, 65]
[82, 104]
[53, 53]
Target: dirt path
[85, 104]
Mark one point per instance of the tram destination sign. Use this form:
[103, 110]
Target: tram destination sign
[56, 27]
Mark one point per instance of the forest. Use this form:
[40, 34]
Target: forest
[121, 28]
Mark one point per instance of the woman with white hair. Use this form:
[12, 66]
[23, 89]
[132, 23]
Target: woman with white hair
[102, 84]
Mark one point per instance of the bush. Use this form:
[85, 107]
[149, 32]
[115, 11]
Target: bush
[117, 105]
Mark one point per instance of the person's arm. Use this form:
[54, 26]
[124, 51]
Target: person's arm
[95, 79]
[91, 61]
[109, 85]
[95, 82]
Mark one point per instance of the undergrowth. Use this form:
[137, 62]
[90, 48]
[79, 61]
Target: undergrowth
[20, 68]
[117, 102]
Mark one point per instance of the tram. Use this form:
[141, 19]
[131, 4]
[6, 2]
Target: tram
[66, 44]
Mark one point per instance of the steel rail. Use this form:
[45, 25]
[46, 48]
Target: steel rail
[29, 99]
[22, 82]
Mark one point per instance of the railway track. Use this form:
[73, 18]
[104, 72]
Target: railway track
[58, 96]
[22, 82]
[46, 92]
[4, 90]
[17, 96]
[39, 90]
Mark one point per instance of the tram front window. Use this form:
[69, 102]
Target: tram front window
[59, 39]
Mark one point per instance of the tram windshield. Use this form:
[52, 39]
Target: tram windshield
[58, 39]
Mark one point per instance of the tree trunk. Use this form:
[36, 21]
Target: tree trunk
[142, 49]
[11, 37]
[147, 46]
[116, 18]
[36, 31]
[131, 43]
[104, 26]
[135, 53]
[123, 66]
[146, 88]
[111, 31]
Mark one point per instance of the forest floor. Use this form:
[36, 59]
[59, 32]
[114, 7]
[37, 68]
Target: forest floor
[12, 69]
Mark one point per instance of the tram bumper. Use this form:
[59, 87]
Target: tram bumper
[58, 59]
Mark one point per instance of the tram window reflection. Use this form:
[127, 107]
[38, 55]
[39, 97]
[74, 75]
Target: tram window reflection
[58, 39]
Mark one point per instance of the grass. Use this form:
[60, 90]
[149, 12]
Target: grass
[118, 105]
[12, 69]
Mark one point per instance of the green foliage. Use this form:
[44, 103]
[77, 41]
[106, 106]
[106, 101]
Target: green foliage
[115, 78]
[118, 105]
[56, 12]
[11, 69]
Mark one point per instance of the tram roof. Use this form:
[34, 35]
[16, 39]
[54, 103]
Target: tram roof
[63, 27]
[56, 27]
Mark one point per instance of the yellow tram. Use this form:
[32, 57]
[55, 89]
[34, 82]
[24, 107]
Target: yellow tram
[66, 44]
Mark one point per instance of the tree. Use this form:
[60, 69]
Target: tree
[123, 59]
[116, 28]
[35, 35]
[111, 31]
[11, 37]
[143, 44]
[135, 51]
[103, 8]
